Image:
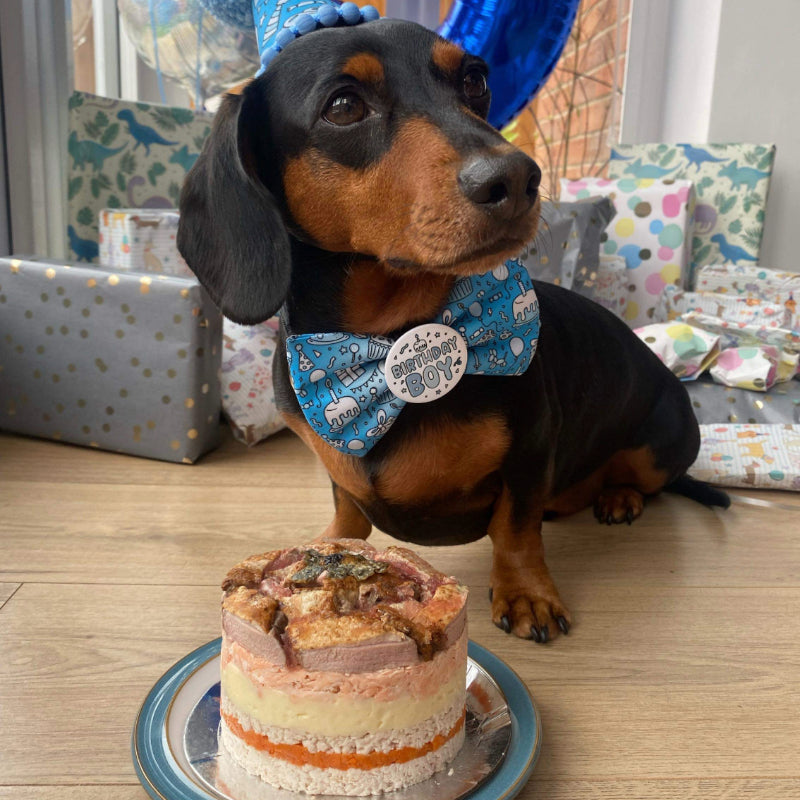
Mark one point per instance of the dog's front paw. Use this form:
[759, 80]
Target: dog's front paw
[537, 615]
[618, 504]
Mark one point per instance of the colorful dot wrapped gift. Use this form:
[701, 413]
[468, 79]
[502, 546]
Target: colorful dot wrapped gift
[651, 231]
[123, 361]
[731, 181]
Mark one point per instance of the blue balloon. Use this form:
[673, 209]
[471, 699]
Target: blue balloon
[520, 40]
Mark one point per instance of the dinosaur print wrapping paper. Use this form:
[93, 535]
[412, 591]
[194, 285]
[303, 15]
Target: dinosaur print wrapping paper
[731, 181]
[123, 361]
[141, 239]
[651, 231]
[749, 456]
[122, 154]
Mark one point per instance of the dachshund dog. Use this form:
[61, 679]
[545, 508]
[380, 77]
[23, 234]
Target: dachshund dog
[351, 185]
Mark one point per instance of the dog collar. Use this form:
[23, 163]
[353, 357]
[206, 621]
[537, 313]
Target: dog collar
[279, 22]
[352, 387]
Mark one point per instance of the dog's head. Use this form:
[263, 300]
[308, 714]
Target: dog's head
[369, 140]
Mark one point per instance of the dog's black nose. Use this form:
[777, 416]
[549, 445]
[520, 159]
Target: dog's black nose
[504, 185]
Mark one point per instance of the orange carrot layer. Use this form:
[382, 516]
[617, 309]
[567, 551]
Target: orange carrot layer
[299, 755]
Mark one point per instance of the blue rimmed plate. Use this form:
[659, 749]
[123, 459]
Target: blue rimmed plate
[176, 754]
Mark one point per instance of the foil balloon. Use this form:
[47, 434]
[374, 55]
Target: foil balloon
[184, 41]
[520, 40]
[238, 13]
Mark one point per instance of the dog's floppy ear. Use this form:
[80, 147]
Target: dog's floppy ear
[231, 232]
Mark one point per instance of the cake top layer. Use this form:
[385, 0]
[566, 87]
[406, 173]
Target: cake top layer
[341, 605]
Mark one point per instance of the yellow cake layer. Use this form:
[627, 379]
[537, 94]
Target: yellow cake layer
[335, 715]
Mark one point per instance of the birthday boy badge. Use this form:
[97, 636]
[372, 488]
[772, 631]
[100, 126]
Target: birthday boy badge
[425, 363]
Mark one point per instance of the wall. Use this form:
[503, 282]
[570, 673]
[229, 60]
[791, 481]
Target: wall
[755, 99]
[722, 71]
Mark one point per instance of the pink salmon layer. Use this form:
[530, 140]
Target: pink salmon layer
[415, 681]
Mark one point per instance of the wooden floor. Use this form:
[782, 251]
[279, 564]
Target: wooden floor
[680, 679]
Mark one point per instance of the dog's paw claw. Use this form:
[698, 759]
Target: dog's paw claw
[504, 624]
[537, 617]
[618, 504]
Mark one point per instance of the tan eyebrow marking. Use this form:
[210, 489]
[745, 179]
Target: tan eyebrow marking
[447, 56]
[365, 67]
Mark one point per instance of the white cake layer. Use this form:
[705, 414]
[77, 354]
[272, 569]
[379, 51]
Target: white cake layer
[356, 782]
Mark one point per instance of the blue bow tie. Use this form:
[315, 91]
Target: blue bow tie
[352, 387]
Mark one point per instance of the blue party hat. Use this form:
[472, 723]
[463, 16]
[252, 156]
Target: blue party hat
[279, 22]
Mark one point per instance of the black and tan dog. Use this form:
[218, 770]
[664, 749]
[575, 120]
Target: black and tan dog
[353, 182]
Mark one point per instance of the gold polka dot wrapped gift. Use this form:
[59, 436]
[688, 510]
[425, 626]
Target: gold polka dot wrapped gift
[115, 360]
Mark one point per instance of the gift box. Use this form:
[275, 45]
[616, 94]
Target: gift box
[731, 308]
[731, 181]
[124, 361]
[738, 334]
[610, 286]
[754, 368]
[566, 250]
[141, 239]
[752, 456]
[248, 397]
[753, 283]
[686, 351]
[123, 154]
[651, 231]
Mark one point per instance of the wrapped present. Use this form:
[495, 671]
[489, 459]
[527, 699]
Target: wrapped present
[738, 334]
[731, 308]
[731, 181]
[754, 368]
[685, 350]
[124, 361]
[610, 286]
[141, 239]
[566, 250]
[713, 402]
[753, 283]
[651, 231]
[752, 456]
[248, 397]
[123, 154]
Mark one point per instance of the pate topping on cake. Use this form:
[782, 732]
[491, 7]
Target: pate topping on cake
[342, 606]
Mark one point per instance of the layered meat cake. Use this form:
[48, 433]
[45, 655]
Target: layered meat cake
[343, 668]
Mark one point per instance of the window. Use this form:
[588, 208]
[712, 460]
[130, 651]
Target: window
[570, 125]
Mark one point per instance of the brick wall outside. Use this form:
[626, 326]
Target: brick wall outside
[571, 123]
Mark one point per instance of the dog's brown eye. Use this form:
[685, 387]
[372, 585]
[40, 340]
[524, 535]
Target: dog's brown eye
[475, 84]
[345, 109]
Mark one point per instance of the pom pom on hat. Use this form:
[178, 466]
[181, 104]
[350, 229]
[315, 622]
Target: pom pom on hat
[312, 19]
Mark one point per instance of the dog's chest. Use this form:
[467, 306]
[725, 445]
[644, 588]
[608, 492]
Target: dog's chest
[430, 465]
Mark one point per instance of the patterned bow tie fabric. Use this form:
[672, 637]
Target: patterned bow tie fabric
[352, 387]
